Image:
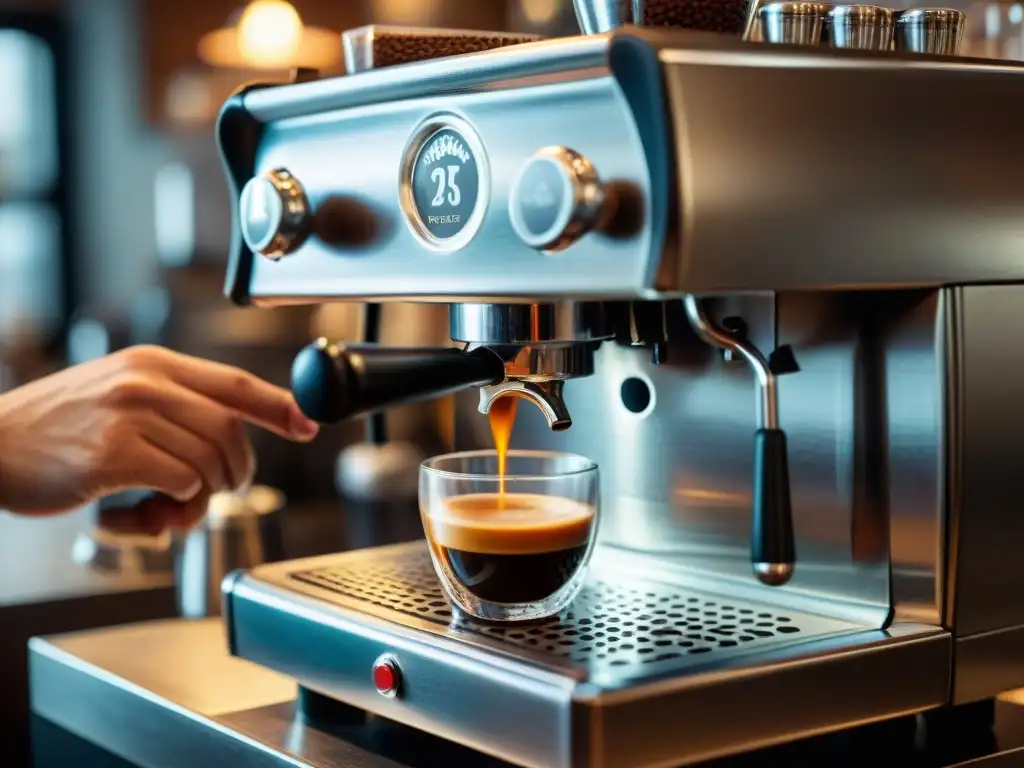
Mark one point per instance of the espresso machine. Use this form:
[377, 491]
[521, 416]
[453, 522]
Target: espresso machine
[769, 283]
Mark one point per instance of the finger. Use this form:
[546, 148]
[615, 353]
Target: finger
[204, 455]
[196, 413]
[156, 514]
[183, 517]
[255, 400]
[148, 517]
[211, 421]
[216, 423]
[147, 465]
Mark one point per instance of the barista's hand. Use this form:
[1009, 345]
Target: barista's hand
[145, 417]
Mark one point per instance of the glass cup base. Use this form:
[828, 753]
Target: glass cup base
[466, 605]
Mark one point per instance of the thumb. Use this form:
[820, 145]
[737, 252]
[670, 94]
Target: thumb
[154, 514]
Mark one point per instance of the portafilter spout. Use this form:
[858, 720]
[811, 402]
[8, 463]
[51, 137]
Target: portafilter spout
[546, 395]
[541, 346]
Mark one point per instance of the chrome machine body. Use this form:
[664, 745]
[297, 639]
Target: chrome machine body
[854, 218]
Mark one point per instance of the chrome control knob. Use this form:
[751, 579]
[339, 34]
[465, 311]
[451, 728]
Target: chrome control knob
[274, 214]
[556, 199]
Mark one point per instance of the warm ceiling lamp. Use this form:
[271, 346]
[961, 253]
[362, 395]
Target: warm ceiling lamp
[539, 12]
[269, 34]
[406, 11]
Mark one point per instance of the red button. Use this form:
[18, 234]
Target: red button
[386, 677]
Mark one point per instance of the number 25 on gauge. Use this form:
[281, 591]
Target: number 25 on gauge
[445, 180]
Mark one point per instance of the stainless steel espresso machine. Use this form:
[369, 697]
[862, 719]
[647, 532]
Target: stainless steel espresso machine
[773, 286]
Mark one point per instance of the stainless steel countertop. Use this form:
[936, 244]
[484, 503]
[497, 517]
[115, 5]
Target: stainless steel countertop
[166, 693]
[182, 662]
[44, 592]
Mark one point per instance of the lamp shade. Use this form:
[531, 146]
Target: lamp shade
[269, 34]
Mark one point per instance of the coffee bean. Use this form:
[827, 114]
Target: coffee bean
[725, 16]
[393, 46]
[398, 47]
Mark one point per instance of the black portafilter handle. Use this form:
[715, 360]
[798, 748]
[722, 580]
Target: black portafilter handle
[333, 381]
[772, 549]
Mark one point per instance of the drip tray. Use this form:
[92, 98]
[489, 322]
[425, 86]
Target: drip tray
[636, 672]
[611, 629]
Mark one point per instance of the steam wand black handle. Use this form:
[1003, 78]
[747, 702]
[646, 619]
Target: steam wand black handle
[332, 381]
[772, 547]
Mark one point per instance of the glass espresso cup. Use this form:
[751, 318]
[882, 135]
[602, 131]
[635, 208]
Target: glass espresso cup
[511, 547]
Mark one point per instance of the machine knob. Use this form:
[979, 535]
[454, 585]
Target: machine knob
[556, 199]
[274, 214]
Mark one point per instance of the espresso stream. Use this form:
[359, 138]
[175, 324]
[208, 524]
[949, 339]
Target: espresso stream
[503, 420]
[511, 547]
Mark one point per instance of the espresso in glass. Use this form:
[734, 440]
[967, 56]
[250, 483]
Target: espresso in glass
[515, 545]
[512, 547]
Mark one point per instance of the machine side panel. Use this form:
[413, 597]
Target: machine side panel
[989, 514]
[987, 664]
[816, 171]
[847, 682]
[865, 425]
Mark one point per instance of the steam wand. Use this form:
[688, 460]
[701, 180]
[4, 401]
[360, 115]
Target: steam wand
[772, 550]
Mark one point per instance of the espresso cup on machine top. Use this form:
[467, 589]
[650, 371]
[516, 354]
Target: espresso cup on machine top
[511, 546]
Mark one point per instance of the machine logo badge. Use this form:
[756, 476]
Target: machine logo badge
[445, 183]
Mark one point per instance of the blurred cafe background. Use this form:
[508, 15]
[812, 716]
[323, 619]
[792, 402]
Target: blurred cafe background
[114, 229]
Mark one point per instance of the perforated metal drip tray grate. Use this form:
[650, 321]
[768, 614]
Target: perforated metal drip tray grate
[634, 629]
